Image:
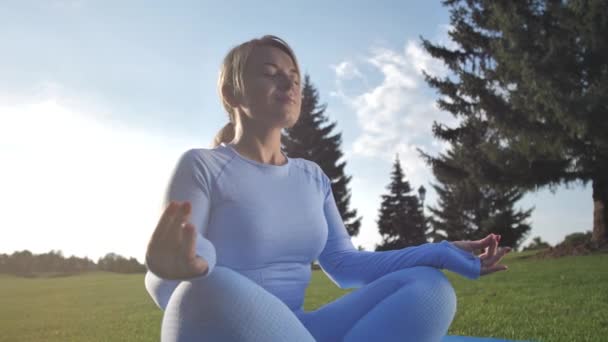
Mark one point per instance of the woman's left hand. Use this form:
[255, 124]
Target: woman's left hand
[491, 255]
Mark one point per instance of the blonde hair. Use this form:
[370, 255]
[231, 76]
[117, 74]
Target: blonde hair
[231, 78]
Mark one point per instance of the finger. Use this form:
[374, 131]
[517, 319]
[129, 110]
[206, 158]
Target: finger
[192, 264]
[494, 259]
[464, 245]
[183, 212]
[483, 255]
[492, 269]
[502, 252]
[165, 222]
[181, 216]
[188, 246]
[482, 243]
[493, 246]
[200, 265]
[486, 244]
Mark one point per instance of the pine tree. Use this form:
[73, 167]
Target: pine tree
[468, 208]
[536, 73]
[485, 211]
[310, 139]
[448, 220]
[401, 222]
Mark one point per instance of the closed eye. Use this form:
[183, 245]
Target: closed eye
[295, 80]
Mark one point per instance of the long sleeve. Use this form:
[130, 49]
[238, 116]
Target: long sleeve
[191, 182]
[349, 267]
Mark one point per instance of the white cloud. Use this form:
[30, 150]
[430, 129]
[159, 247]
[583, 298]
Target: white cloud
[396, 115]
[347, 70]
[75, 182]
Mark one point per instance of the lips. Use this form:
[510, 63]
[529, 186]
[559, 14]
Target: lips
[286, 99]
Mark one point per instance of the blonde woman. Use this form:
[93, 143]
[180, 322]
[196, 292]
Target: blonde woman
[230, 257]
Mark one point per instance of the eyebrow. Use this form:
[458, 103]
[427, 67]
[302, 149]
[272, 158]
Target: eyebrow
[293, 71]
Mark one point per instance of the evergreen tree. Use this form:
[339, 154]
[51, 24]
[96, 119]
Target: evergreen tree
[468, 209]
[401, 222]
[310, 139]
[536, 74]
[448, 220]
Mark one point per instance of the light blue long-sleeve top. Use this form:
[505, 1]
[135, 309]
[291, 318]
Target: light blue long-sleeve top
[269, 222]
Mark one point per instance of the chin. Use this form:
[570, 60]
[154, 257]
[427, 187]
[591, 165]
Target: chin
[288, 119]
[292, 120]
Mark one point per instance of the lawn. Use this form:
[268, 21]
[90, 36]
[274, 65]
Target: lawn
[562, 299]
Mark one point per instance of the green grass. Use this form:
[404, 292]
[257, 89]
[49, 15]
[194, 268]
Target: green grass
[89, 307]
[562, 299]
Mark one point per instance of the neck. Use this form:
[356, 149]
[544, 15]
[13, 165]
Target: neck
[262, 144]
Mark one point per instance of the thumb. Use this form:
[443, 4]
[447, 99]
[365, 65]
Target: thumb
[198, 264]
[188, 247]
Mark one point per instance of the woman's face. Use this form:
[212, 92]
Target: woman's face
[272, 88]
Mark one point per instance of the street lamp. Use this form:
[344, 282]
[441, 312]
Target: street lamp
[422, 195]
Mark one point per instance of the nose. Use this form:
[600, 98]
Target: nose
[285, 82]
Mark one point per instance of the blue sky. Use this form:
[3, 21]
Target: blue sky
[99, 98]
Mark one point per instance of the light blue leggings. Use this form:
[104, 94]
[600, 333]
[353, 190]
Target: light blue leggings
[413, 304]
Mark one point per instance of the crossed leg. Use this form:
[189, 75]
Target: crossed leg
[226, 306]
[413, 304]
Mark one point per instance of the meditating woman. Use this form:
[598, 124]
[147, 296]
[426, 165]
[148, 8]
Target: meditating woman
[230, 258]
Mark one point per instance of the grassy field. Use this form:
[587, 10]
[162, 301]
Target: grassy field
[562, 299]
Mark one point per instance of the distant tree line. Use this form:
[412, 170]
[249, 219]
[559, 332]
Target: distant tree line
[25, 263]
[537, 243]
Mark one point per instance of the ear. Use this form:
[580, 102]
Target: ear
[228, 94]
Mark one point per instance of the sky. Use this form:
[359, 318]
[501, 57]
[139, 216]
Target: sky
[98, 99]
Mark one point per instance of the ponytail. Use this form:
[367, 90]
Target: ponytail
[225, 135]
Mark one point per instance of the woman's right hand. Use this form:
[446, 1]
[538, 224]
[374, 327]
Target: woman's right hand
[171, 252]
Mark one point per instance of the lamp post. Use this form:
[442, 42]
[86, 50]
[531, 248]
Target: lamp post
[422, 195]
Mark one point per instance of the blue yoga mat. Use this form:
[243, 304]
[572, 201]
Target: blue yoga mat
[455, 338]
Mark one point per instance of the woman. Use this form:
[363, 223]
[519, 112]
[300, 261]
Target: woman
[230, 257]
